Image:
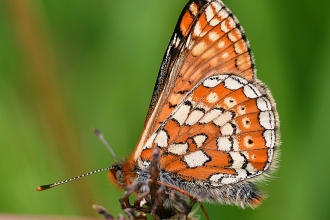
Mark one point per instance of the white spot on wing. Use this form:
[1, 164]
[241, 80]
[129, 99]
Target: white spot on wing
[161, 139]
[241, 174]
[234, 83]
[150, 141]
[176, 41]
[227, 129]
[269, 136]
[228, 178]
[209, 13]
[251, 91]
[213, 36]
[225, 55]
[178, 149]
[251, 168]
[215, 21]
[263, 104]
[221, 44]
[199, 139]
[199, 48]
[240, 47]
[195, 159]
[267, 119]
[223, 118]
[241, 109]
[213, 81]
[189, 42]
[197, 29]
[230, 102]
[217, 6]
[232, 37]
[210, 116]
[181, 114]
[193, 9]
[238, 159]
[212, 97]
[193, 117]
[216, 177]
[227, 144]
[270, 156]
[223, 13]
[246, 122]
[231, 24]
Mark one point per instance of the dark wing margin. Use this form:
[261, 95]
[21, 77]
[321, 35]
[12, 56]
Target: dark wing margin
[174, 49]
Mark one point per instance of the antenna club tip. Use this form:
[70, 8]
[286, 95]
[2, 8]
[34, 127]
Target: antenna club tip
[39, 189]
[96, 131]
[42, 188]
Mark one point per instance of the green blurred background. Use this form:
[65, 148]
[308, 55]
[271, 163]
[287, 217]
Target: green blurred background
[67, 66]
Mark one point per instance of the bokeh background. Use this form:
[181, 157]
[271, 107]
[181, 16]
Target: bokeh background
[67, 66]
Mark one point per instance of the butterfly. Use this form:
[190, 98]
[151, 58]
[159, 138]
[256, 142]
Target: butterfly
[214, 123]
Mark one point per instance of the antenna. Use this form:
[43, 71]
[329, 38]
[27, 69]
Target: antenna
[52, 185]
[100, 136]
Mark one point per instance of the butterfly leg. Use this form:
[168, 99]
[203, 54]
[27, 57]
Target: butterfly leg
[135, 211]
[102, 211]
[153, 194]
[181, 208]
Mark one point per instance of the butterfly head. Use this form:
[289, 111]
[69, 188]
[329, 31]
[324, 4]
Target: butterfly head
[116, 174]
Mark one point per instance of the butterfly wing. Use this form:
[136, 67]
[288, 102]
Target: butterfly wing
[215, 124]
[207, 39]
[223, 133]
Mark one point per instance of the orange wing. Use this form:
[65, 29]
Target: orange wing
[207, 39]
[224, 131]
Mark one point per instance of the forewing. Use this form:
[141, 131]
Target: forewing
[207, 39]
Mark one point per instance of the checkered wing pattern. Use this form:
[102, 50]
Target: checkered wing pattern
[207, 40]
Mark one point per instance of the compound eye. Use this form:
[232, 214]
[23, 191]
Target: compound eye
[119, 177]
[116, 174]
